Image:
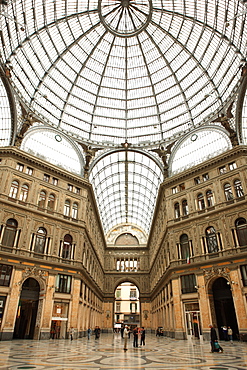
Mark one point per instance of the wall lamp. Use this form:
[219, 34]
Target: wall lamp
[232, 282]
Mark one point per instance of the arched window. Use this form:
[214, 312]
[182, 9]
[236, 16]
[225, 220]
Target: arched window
[177, 210]
[238, 188]
[24, 193]
[42, 199]
[67, 247]
[14, 189]
[39, 246]
[184, 247]
[241, 229]
[10, 233]
[210, 198]
[201, 202]
[228, 191]
[75, 210]
[211, 240]
[185, 208]
[66, 211]
[51, 202]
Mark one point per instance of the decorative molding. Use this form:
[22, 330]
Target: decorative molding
[216, 271]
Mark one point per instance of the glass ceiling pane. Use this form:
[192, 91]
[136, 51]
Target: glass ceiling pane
[5, 117]
[126, 184]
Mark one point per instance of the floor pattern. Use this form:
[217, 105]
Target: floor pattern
[107, 353]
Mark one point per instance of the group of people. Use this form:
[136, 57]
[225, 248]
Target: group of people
[227, 333]
[136, 333]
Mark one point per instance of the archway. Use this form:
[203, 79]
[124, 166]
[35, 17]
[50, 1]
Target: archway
[126, 306]
[224, 307]
[27, 310]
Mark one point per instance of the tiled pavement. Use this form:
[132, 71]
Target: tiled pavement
[107, 353]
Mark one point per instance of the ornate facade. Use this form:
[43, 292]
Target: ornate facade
[57, 271]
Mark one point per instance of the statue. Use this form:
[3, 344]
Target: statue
[89, 155]
[28, 120]
[162, 153]
[224, 120]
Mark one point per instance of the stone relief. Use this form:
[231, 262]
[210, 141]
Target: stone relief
[216, 271]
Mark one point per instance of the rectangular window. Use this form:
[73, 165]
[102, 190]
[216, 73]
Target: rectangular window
[70, 187]
[5, 274]
[63, 283]
[77, 190]
[46, 178]
[118, 293]
[244, 274]
[174, 190]
[181, 187]
[133, 294]
[20, 167]
[54, 181]
[29, 171]
[197, 180]
[222, 169]
[188, 283]
[232, 166]
[205, 177]
[118, 306]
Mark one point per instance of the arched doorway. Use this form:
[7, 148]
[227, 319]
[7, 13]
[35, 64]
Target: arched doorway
[27, 310]
[126, 306]
[224, 307]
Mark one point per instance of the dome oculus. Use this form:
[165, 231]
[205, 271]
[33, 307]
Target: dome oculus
[125, 18]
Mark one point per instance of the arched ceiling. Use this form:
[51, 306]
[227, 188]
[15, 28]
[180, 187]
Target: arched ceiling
[110, 71]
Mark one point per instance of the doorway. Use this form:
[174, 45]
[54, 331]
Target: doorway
[127, 306]
[193, 321]
[224, 307]
[27, 310]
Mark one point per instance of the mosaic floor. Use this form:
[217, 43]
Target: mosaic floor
[107, 353]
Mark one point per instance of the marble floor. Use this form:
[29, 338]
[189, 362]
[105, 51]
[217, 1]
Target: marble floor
[107, 353]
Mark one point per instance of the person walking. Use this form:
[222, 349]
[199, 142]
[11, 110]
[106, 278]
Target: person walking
[89, 332]
[229, 333]
[213, 337]
[143, 333]
[126, 336]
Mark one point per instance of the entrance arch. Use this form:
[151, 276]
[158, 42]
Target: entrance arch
[224, 306]
[126, 306]
[27, 310]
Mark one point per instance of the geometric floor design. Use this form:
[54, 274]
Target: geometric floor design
[107, 353]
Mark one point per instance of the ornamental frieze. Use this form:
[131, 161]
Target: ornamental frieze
[216, 271]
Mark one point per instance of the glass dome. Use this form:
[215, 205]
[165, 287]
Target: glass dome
[111, 71]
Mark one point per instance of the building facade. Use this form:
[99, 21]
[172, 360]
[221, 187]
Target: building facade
[58, 272]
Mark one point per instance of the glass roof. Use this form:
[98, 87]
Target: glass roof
[109, 72]
[126, 184]
[116, 70]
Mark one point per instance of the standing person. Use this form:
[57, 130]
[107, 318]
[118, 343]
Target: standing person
[229, 333]
[224, 329]
[122, 330]
[126, 336]
[142, 336]
[213, 337]
[71, 333]
[89, 331]
[135, 334]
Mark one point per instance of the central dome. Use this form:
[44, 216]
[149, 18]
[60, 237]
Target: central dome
[113, 71]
